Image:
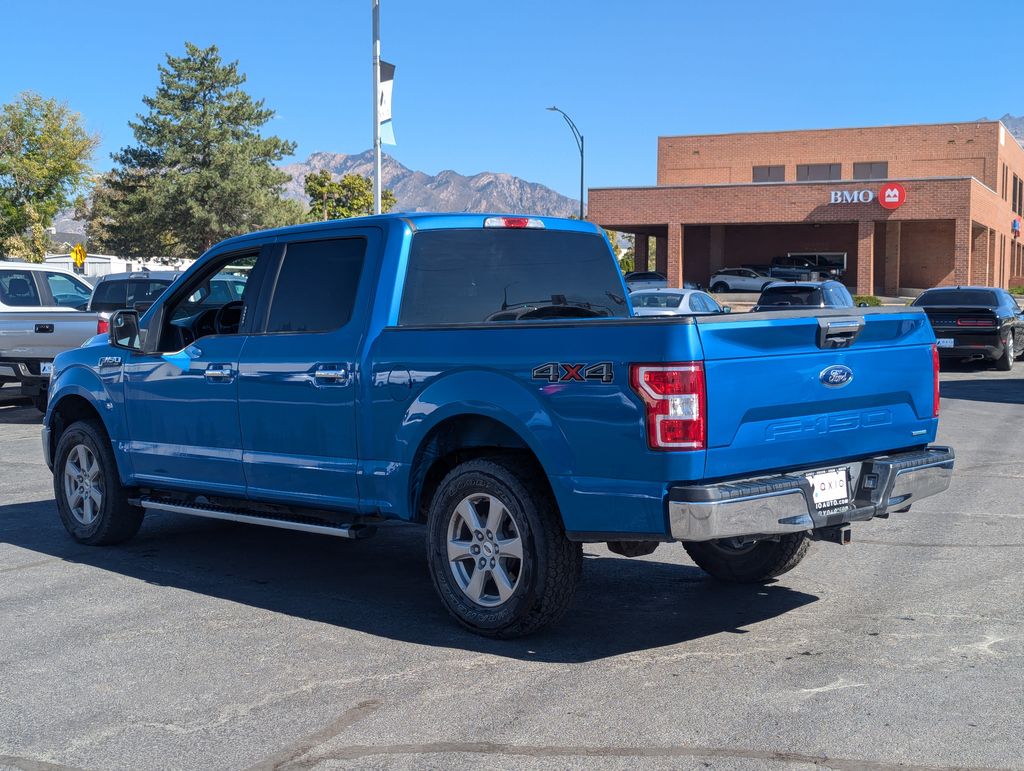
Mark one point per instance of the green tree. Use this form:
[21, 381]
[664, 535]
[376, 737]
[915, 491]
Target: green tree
[44, 159]
[200, 170]
[350, 196]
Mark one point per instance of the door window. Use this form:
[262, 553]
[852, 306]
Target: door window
[17, 288]
[67, 292]
[316, 285]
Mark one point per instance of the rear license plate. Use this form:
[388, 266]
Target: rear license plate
[46, 368]
[944, 342]
[831, 490]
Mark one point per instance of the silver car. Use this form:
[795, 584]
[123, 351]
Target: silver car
[738, 280]
[674, 302]
[645, 279]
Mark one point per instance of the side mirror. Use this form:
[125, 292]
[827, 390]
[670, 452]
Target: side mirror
[726, 309]
[124, 330]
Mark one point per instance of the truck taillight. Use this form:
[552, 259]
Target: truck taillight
[675, 401]
[974, 323]
[102, 326]
[513, 222]
[935, 381]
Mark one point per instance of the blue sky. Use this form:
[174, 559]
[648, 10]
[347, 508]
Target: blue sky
[474, 76]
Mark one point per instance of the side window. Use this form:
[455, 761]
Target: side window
[17, 288]
[316, 286]
[696, 304]
[66, 291]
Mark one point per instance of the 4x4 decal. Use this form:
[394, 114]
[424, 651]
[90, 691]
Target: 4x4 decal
[558, 372]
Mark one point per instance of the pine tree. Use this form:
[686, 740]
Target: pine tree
[200, 170]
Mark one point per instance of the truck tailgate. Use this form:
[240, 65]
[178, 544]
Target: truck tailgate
[774, 397]
[31, 335]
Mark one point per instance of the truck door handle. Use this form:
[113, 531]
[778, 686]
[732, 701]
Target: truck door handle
[44, 328]
[218, 372]
[333, 374]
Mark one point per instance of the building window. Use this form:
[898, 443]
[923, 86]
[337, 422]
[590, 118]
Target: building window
[1005, 180]
[818, 172]
[1018, 195]
[769, 173]
[871, 170]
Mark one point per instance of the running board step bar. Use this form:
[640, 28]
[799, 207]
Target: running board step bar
[214, 512]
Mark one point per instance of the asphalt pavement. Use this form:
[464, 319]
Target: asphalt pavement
[207, 645]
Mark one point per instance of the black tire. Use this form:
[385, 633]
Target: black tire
[39, 402]
[719, 286]
[752, 563]
[1005, 362]
[114, 519]
[546, 576]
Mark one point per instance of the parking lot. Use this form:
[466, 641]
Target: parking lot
[203, 644]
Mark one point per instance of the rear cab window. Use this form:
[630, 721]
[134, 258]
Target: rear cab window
[790, 295]
[473, 276]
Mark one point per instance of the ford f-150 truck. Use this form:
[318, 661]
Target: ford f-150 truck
[483, 375]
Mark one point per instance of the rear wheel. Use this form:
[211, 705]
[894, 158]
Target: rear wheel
[719, 286]
[497, 552]
[729, 559]
[92, 504]
[1005, 362]
[39, 402]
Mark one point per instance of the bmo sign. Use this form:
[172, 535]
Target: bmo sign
[892, 196]
[851, 196]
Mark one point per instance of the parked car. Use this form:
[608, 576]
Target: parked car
[358, 379]
[975, 322]
[738, 280]
[38, 319]
[804, 268]
[800, 295]
[645, 280]
[140, 289]
[674, 302]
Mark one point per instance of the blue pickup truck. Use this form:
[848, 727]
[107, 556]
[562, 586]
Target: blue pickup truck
[483, 375]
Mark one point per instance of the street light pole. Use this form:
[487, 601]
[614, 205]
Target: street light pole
[579, 143]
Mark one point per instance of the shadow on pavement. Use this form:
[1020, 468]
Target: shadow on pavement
[998, 390]
[19, 412]
[380, 586]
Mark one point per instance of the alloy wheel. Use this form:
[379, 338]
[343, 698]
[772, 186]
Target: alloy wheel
[485, 550]
[83, 484]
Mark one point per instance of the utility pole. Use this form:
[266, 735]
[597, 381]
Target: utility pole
[376, 106]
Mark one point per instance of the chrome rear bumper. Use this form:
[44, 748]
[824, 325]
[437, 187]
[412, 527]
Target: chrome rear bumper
[784, 503]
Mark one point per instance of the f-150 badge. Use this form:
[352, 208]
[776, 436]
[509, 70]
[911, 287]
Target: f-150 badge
[558, 372]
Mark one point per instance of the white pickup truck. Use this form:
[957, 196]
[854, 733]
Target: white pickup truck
[41, 314]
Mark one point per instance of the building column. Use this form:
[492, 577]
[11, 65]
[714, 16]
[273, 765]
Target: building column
[716, 258]
[661, 254]
[980, 255]
[865, 257]
[641, 251]
[962, 251]
[891, 279]
[674, 254]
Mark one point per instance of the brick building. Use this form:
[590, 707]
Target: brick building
[905, 207]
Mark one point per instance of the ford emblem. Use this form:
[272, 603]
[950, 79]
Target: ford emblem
[836, 376]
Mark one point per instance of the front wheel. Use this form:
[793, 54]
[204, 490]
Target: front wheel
[1005, 362]
[719, 286]
[731, 560]
[92, 504]
[497, 552]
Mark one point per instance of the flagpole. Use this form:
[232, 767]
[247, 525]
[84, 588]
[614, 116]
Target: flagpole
[376, 106]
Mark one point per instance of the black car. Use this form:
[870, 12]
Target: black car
[975, 322]
[799, 295]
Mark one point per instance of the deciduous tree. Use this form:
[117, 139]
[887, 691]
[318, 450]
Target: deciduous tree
[350, 196]
[44, 159]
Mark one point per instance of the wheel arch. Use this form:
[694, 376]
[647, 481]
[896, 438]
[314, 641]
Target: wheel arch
[79, 395]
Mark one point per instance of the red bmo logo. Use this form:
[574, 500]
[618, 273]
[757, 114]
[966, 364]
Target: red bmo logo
[892, 195]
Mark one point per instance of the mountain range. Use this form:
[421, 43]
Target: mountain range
[445, 191]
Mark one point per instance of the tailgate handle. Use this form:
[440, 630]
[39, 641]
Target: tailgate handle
[838, 333]
[44, 328]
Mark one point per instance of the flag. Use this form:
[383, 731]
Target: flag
[387, 80]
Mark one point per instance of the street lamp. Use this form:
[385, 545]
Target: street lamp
[579, 143]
